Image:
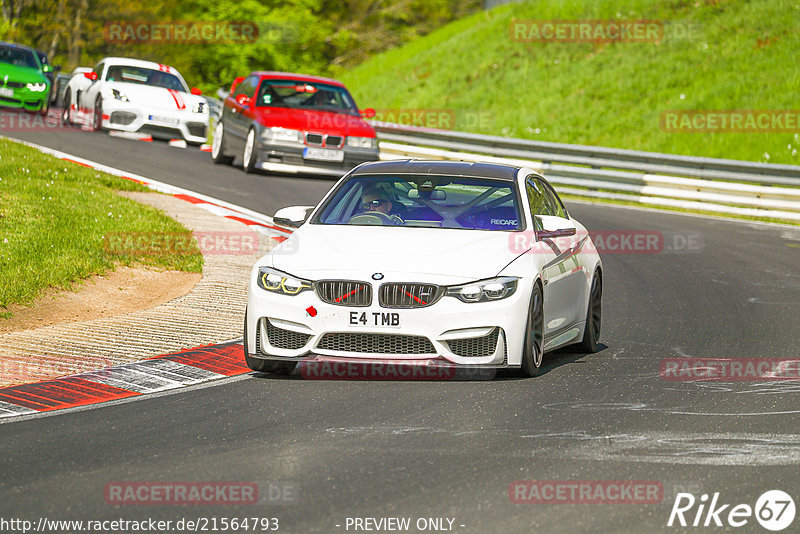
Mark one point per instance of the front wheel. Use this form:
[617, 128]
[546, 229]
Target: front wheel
[249, 154]
[66, 113]
[218, 146]
[532, 352]
[45, 107]
[591, 332]
[97, 120]
[265, 366]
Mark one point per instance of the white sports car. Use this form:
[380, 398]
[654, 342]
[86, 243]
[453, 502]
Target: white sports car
[430, 262]
[136, 96]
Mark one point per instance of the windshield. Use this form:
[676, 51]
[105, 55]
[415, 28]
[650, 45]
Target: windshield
[143, 76]
[305, 95]
[18, 56]
[424, 201]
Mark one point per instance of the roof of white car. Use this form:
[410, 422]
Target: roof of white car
[137, 63]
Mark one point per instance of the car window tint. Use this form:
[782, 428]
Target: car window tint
[144, 76]
[537, 201]
[18, 56]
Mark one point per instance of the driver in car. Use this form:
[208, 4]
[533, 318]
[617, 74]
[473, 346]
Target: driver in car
[374, 200]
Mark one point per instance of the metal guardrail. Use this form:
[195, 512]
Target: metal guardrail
[708, 184]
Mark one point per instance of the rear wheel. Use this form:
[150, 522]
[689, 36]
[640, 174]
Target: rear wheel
[532, 352]
[591, 332]
[218, 146]
[265, 366]
[249, 154]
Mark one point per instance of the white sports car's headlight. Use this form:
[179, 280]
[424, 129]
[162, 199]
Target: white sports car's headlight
[362, 142]
[484, 290]
[282, 134]
[116, 94]
[37, 87]
[278, 282]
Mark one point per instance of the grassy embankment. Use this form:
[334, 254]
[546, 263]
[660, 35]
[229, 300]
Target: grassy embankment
[55, 218]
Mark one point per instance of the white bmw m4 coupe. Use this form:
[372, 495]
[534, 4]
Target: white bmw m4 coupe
[426, 263]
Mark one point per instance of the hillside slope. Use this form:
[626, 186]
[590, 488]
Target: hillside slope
[712, 55]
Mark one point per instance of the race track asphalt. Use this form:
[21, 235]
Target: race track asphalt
[452, 448]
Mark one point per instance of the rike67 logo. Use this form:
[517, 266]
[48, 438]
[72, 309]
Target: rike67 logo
[774, 510]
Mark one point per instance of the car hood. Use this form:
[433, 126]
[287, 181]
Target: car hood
[441, 256]
[156, 97]
[20, 74]
[314, 121]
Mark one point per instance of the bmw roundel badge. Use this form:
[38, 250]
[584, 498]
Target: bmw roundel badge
[377, 276]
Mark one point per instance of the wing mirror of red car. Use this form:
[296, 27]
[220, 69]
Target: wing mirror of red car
[90, 76]
[367, 113]
[196, 91]
[242, 100]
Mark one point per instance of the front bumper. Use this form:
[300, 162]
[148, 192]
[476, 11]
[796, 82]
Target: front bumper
[159, 123]
[487, 334]
[24, 98]
[277, 157]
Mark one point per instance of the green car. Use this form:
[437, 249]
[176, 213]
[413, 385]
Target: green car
[23, 83]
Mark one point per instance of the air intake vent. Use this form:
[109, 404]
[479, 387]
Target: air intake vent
[475, 347]
[376, 343]
[285, 339]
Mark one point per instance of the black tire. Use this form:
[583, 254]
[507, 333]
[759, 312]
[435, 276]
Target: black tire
[218, 150]
[45, 108]
[97, 118]
[249, 163]
[532, 353]
[65, 112]
[265, 366]
[594, 315]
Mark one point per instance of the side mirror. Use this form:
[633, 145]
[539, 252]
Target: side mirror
[552, 227]
[242, 100]
[47, 68]
[236, 81]
[90, 76]
[196, 91]
[367, 113]
[293, 216]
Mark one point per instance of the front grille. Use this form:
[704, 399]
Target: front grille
[197, 129]
[475, 347]
[285, 339]
[334, 141]
[122, 117]
[344, 292]
[12, 100]
[16, 85]
[410, 295]
[376, 343]
[314, 139]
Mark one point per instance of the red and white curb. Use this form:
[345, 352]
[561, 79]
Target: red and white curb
[256, 221]
[169, 371]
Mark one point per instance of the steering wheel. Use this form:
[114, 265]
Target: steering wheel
[375, 218]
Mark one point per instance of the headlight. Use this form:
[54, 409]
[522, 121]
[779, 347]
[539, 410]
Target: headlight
[278, 282]
[116, 94]
[484, 290]
[37, 87]
[200, 107]
[281, 135]
[362, 142]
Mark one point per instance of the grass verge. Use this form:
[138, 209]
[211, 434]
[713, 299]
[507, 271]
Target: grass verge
[55, 220]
